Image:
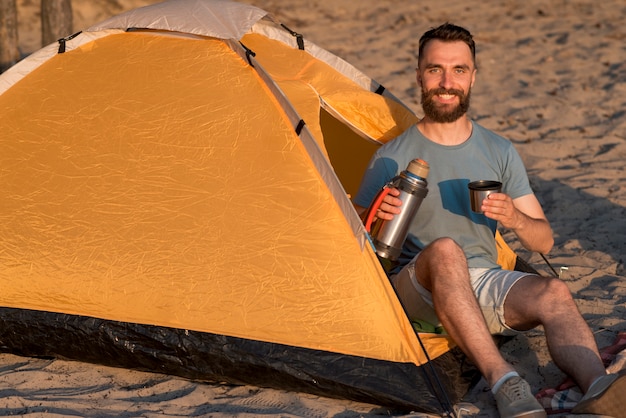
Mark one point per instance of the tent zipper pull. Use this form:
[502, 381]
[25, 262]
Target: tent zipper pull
[299, 37]
[63, 41]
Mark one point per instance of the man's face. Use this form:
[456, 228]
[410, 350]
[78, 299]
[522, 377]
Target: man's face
[446, 75]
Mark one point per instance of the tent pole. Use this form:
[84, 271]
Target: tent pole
[446, 404]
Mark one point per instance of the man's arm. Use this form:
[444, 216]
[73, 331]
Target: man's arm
[525, 217]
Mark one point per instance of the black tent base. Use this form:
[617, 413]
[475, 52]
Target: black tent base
[218, 358]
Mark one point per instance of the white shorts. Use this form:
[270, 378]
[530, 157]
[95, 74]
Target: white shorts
[491, 287]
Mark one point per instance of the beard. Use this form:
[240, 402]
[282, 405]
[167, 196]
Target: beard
[444, 114]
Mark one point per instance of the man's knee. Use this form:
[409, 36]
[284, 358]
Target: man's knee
[446, 249]
[443, 262]
[549, 289]
[557, 292]
[534, 299]
[446, 245]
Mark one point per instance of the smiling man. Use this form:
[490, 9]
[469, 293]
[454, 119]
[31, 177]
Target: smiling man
[448, 274]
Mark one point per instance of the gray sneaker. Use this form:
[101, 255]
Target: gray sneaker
[606, 397]
[515, 400]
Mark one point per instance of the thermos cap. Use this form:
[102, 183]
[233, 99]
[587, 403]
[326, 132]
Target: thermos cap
[419, 168]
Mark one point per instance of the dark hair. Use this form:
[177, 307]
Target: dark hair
[448, 33]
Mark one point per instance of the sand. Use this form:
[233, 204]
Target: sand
[551, 78]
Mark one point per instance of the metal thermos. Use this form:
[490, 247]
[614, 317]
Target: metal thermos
[389, 235]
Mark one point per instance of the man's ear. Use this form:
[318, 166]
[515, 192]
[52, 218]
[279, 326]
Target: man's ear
[418, 77]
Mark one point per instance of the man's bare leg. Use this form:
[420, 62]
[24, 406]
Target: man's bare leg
[536, 300]
[442, 269]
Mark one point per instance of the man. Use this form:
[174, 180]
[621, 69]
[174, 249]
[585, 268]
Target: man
[450, 276]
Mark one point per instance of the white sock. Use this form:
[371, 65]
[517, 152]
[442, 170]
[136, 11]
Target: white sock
[500, 382]
[591, 388]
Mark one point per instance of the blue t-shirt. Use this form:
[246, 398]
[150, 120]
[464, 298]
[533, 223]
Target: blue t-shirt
[445, 211]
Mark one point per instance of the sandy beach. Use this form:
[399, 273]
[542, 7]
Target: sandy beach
[552, 79]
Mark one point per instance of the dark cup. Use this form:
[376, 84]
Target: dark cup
[479, 190]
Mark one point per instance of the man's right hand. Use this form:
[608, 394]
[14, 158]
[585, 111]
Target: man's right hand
[390, 206]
